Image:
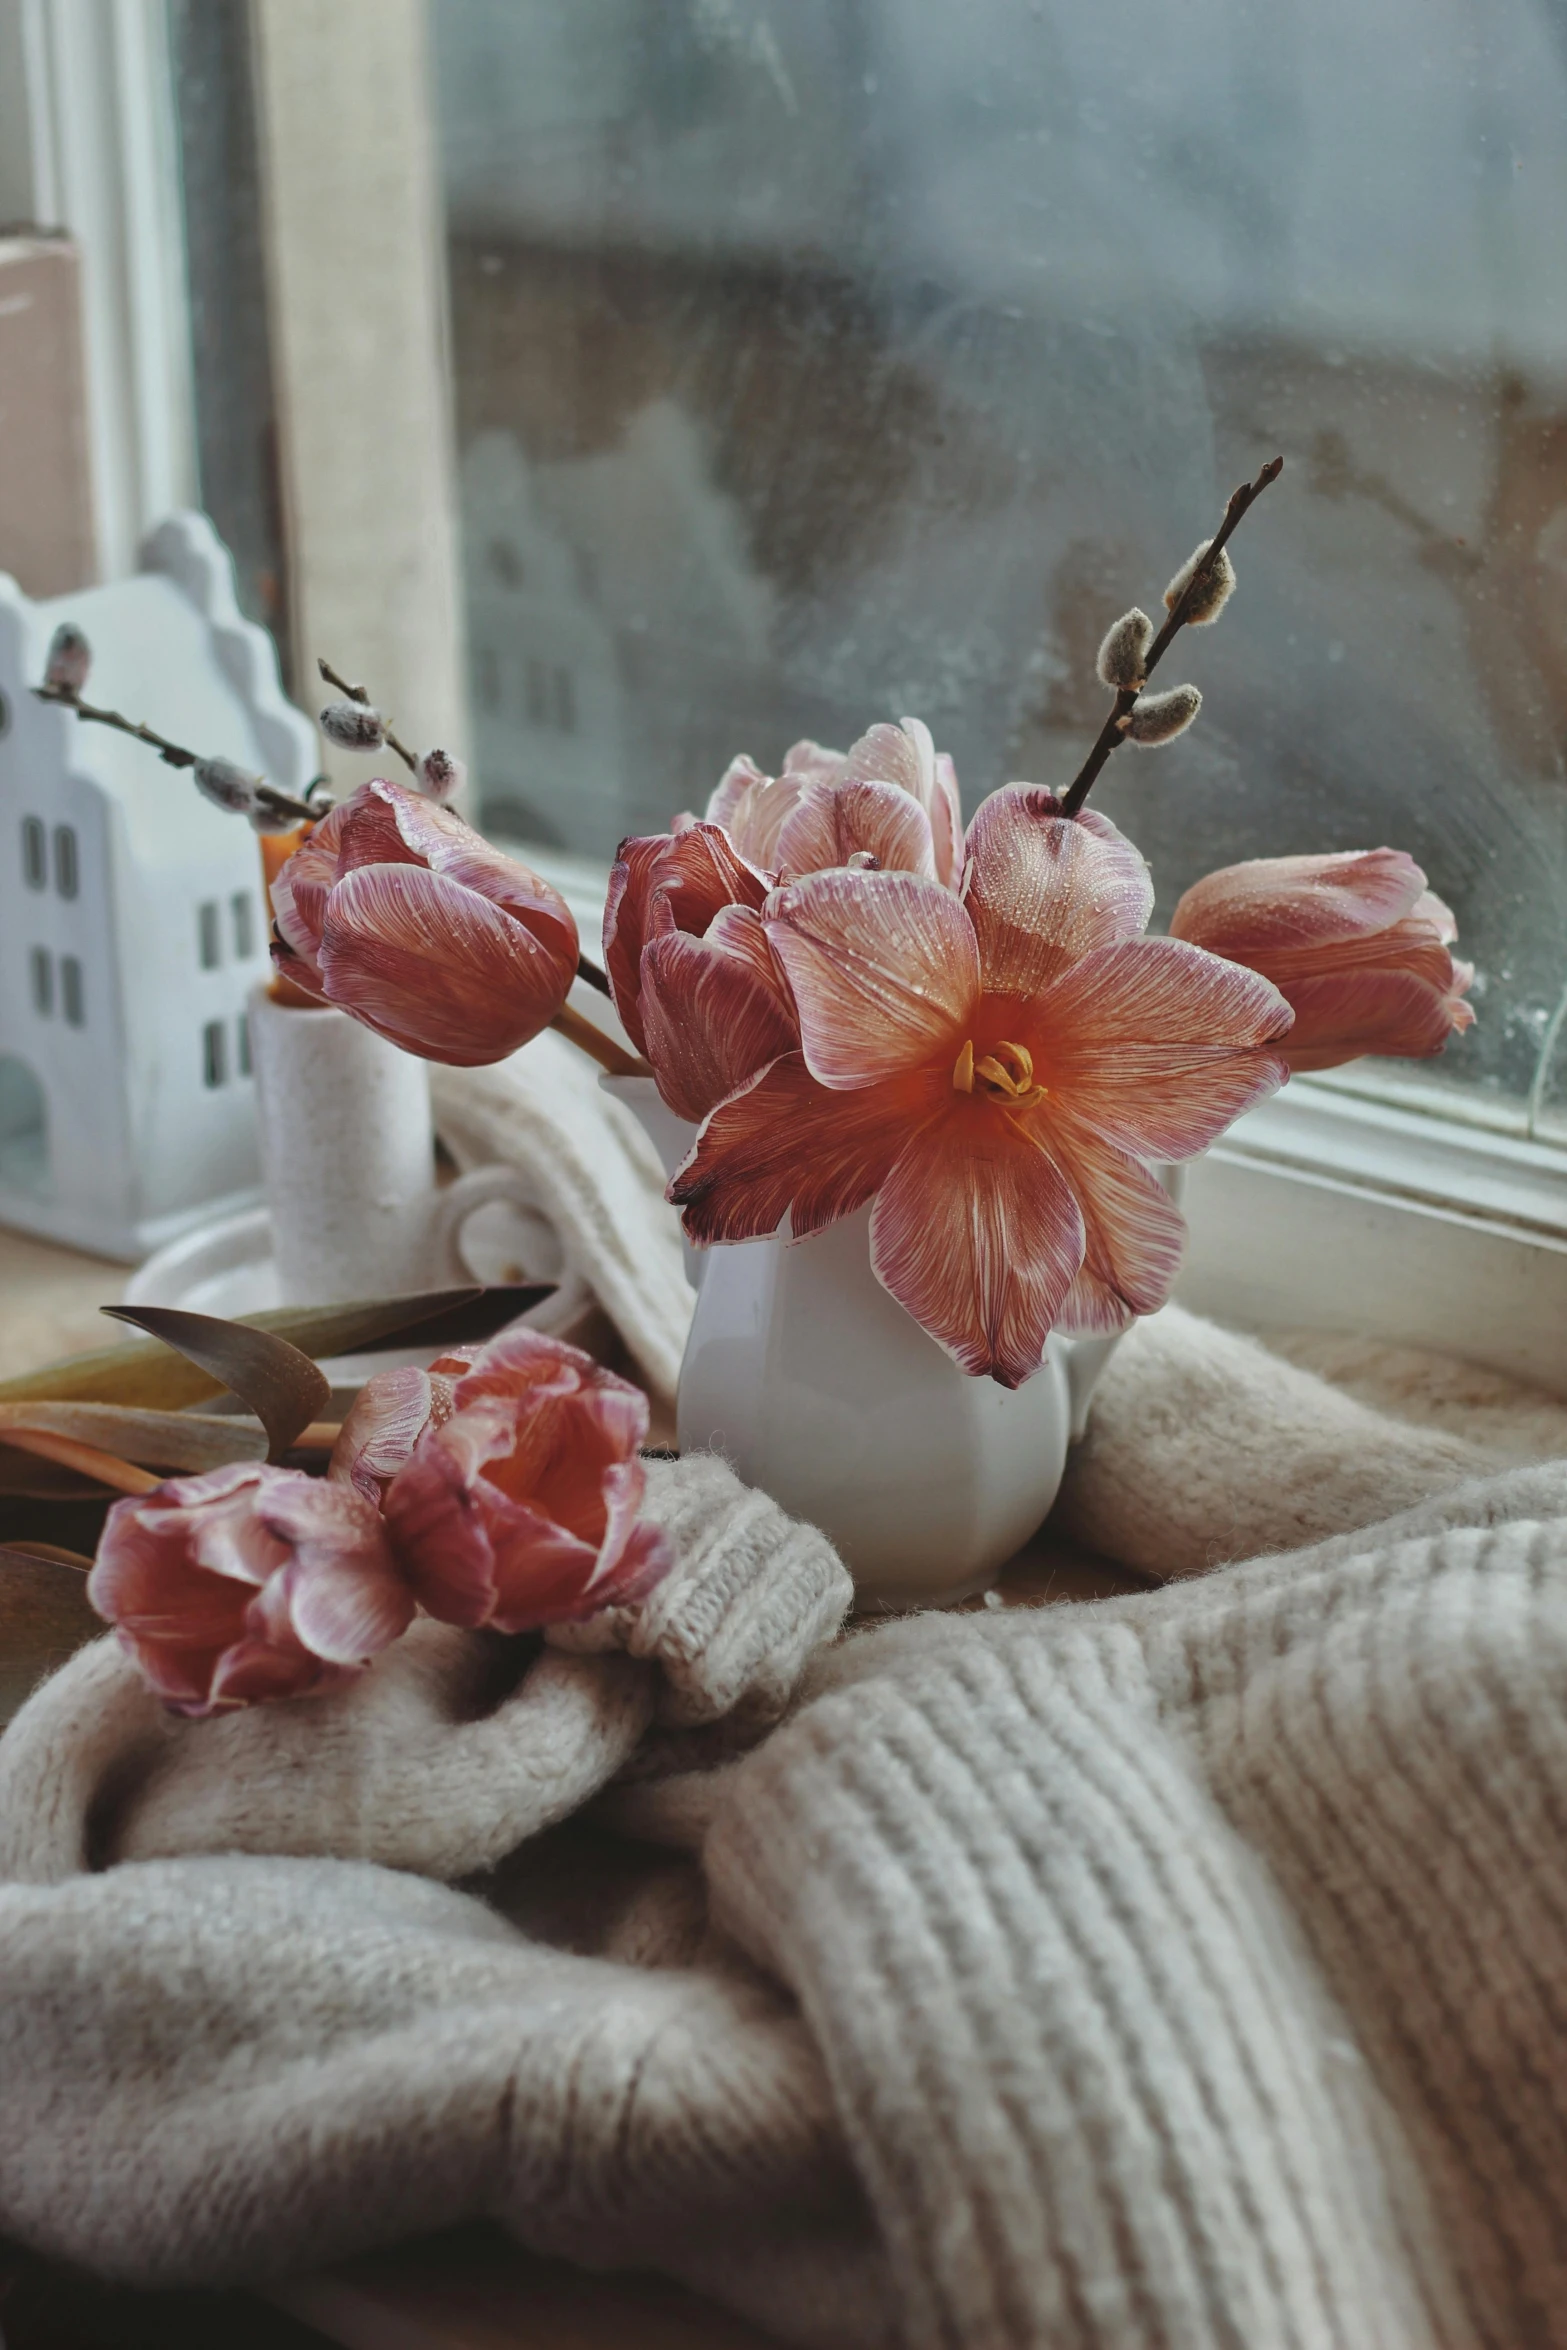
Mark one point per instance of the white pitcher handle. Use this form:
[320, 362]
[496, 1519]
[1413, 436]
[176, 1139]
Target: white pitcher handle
[456, 1204]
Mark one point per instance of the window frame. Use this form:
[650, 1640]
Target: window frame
[1339, 1204]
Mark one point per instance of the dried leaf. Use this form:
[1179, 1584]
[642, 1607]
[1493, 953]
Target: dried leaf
[152, 1376]
[187, 1441]
[275, 1380]
[44, 1618]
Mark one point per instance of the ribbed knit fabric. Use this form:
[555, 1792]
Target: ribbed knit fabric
[1182, 1972]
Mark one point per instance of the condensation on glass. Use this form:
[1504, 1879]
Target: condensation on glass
[821, 362]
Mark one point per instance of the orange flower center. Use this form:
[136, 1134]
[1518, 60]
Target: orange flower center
[1005, 1074]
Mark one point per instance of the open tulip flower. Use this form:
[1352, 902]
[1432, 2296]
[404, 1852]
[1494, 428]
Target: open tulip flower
[1355, 942]
[398, 912]
[994, 1068]
[521, 1507]
[248, 1583]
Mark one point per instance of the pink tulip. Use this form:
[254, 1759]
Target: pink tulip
[248, 1583]
[395, 911]
[892, 798]
[1355, 943]
[993, 1069]
[522, 1508]
[694, 980]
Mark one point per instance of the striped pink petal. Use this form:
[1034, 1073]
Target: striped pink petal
[883, 968]
[786, 1146]
[1339, 1016]
[1157, 1045]
[715, 1010]
[1134, 1235]
[436, 968]
[976, 1231]
[1272, 902]
[1044, 890]
[832, 822]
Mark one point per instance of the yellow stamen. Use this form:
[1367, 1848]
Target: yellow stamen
[1007, 1074]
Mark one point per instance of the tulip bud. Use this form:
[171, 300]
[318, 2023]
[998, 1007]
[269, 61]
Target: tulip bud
[441, 775]
[1213, 590]
[1159, 718]
[70, 658]
[353, 726]
[1121, 656]
[227, 786]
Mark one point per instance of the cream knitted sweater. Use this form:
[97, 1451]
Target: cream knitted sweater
[1183, 1970]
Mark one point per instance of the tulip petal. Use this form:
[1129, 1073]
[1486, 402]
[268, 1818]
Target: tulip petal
[422, 832]
[299, 891]
[1341, 1016]
[946, 821]
[696, 872]
[1157, 1045]
[759, 816]
[384, 1423]
[710, 1021]
[883, 968]
[1271, 902]
[1043, 890]
[977, 1233]
[731, 789]
[832, 822]
[812, 762]
[892, 754]
[1134, 1235]
[786, 1146]
[435, 968]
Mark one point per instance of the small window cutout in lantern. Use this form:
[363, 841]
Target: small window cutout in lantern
[214, 1055]
[73, 1001]
[67, 865]
[209, 943]
[41, 966]
[35, 853]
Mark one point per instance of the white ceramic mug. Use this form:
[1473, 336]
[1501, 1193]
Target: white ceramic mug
[347, 1154]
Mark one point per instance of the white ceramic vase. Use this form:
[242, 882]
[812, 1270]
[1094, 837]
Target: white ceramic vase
[348, 1165]
[821, 1390]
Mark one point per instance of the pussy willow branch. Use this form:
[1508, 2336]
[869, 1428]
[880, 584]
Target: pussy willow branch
[356, 693]
[281, 803]
[1113, 732]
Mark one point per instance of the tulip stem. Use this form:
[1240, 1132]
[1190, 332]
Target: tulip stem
[599, 1047]
[1113, 732]
[88, 1460]
[279, 803]
[357, 693]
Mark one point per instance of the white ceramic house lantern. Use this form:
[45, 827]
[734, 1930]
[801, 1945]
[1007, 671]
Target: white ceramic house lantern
[132, 925]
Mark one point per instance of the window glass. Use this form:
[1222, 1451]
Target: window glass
[820, 363]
